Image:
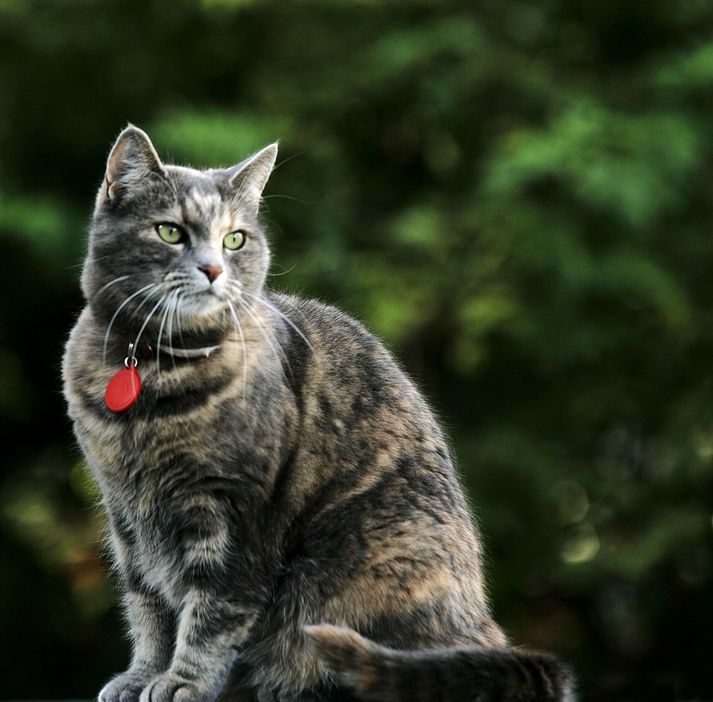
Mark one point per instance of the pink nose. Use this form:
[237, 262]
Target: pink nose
[211, 272]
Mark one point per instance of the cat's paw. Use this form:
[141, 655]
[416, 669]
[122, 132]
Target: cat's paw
[125, 687]
[170, 687]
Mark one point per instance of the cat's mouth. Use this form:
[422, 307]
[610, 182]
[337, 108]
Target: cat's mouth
[203, 303]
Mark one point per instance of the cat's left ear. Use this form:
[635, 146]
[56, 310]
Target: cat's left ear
[248, 178]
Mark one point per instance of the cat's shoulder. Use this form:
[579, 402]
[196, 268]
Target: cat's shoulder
[319, 316]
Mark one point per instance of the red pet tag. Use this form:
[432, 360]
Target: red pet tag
[124, 387]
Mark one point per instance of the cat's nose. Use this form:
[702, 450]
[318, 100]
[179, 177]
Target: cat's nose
[211, 272]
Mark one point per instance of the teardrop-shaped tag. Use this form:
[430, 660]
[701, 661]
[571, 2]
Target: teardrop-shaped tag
[123, 389]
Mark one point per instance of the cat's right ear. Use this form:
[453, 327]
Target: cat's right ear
[249, 177]
[133, 158]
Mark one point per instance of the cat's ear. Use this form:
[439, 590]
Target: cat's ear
[248, 178]
[132, 159]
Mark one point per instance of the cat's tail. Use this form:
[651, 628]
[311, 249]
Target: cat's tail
[458, 674]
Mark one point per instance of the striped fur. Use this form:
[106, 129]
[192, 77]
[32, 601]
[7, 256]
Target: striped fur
[294, 477]
[454, 674]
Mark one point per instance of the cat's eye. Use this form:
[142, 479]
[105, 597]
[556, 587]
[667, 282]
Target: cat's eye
[170, 233]
[235, 240]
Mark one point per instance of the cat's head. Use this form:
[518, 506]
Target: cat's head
[180, 241]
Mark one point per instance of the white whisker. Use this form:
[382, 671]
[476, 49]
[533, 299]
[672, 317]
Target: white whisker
[283, 316]
[151, 286]
[285, 272]
[179, 318]
[170, 300]
[238, 326]
[174, 308]
[148, 318]
[145, 299]
[280, 356]
[109, 284]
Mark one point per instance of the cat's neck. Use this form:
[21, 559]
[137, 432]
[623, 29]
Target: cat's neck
[186, 345]
[187, 353]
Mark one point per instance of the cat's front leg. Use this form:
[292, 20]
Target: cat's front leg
[151, 624]
[151, 628]
[210, 632]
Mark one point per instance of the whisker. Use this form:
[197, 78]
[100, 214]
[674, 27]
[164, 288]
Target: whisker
[287, 160]
[179, 318]
[160, 333]
[148, 317]
[289, 270]
[174, 308]
[162, 287]
[286, 197]
[283, 316]
[151, 286]
[279, 354]
[94, 260]
[107, 285]
[145, 299]
[239, 327]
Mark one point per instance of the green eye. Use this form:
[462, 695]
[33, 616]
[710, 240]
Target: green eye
[170, 233]
[234, 240]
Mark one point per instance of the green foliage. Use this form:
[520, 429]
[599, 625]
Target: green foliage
[515, 196]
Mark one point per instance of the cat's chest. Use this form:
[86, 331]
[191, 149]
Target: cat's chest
[155, 493]
[136, 449]
[178, 416]
[153, 468]
[154, 528]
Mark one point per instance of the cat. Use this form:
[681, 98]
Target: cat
[284, 514]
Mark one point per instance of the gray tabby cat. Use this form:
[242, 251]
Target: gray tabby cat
[278, 484]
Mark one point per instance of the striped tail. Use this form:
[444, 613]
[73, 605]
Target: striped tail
[459, 674]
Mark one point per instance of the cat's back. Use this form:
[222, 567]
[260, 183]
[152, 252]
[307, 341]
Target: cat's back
[359, 409]
[383, 533]
[343, 355]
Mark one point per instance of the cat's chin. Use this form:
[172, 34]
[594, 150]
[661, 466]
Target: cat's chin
[202, 308]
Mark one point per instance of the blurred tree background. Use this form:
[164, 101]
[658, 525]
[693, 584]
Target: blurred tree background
[515, 196]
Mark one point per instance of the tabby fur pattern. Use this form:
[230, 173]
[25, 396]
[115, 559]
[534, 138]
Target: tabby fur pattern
[270, 499]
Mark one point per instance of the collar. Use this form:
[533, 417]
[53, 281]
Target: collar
[203, 352]
[146, 352]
